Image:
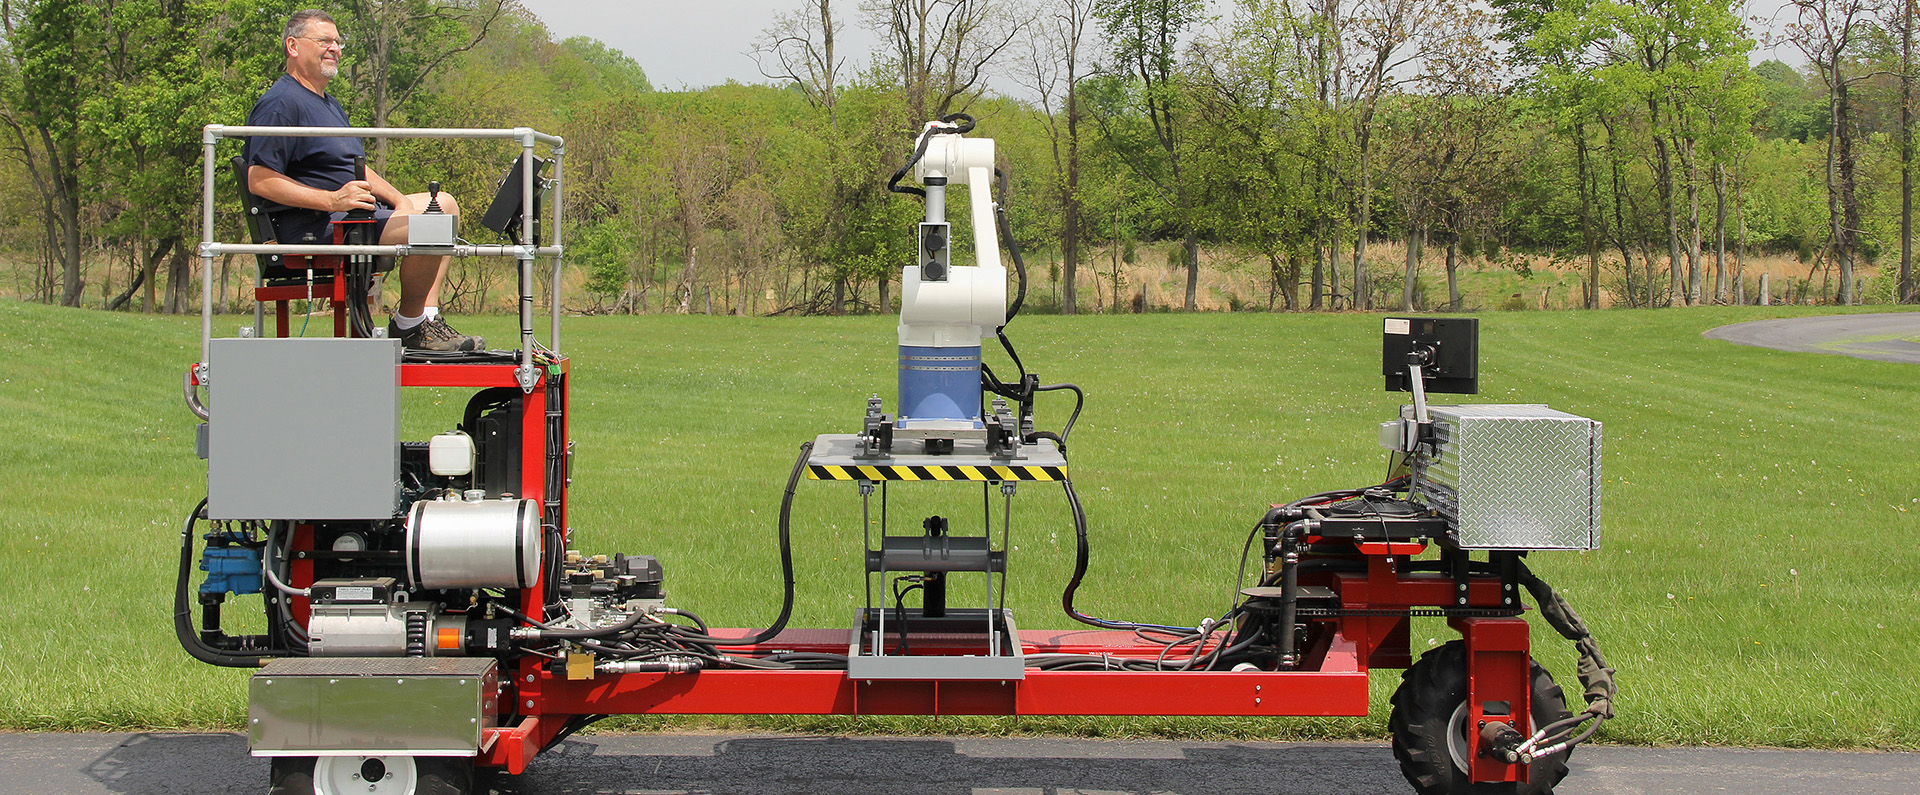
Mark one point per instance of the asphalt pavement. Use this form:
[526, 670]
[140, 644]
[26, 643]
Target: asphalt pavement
[1887, 337]
[715, 764]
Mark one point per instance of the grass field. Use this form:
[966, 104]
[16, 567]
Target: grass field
[1754, 587]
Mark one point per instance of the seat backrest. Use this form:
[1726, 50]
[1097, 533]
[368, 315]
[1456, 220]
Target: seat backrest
[260, 229]
[259, 224]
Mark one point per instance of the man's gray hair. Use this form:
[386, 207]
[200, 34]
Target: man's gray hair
[297, 24]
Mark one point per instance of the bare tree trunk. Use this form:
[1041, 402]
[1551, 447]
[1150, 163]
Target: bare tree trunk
[1453, 276]
[1908, 293]
[1583, 158]
[178, 269]
[1363, 217]
[1674, 282]
[1070, 206]
[1192, 246]
[1720, 233]
[686, 282]
[1317, 293]
[1416, 240]
[144, 275]
[1695, 282]
[1740, 258]
[1843, 211]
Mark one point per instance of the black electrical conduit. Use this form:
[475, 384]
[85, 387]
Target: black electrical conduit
[183, 612]
[920, 150]
[786, 554]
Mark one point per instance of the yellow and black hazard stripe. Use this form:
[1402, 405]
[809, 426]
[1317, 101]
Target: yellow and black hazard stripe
[975, 473]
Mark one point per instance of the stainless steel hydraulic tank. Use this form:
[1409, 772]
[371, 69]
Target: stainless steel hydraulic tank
[1513, 476]
[479, 544]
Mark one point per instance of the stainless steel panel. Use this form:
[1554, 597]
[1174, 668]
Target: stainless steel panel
[932, 666]
[418, 706]
[1514, 476]
[870, 662]
[304, 429]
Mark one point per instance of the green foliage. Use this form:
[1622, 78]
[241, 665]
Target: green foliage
[1246, 134]
[602, 69]
[1792, 109]
[605, 251]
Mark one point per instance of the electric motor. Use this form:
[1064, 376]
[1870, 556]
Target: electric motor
[473, 544]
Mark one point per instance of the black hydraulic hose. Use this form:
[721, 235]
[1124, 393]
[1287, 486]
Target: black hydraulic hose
[573, 725]
[1080, 563]
[1013, 248]
[920, 150]
[1596, 677]
[1079, 402]
[786, 556]
[615, 628]
[1080, 559]
[183, 612]
[1038, 435]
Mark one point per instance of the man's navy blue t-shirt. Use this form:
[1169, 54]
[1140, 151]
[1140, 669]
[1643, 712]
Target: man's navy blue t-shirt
[324, 163]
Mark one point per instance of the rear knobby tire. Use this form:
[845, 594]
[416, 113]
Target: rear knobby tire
[1430, 745]
[290, 775]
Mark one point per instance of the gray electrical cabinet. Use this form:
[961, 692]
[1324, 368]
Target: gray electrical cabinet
[303, 429]
[1512, 476]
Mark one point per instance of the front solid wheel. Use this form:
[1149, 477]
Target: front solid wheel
[1434, 741]
[372, 775]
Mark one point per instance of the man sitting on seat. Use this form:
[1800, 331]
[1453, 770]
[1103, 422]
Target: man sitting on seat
[314, 177]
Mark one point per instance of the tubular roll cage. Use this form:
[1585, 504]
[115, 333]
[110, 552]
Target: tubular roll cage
[528, 139]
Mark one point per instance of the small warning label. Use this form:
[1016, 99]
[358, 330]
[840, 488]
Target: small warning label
[1399, 325]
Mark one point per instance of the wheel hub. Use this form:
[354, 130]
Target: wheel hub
[1460, 739]
[364, 775]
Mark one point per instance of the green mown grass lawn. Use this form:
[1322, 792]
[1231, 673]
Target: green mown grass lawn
[1755, 586]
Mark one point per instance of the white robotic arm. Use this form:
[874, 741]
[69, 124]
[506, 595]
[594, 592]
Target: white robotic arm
[941, 305]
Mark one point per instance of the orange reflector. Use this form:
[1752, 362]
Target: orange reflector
[449, 638]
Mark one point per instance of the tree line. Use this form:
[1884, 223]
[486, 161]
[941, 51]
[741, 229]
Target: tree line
[1631, 139]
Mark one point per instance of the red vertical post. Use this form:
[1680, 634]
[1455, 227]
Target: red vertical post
[533, 476]
[1499, 683]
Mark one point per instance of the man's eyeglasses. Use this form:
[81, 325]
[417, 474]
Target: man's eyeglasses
[327, 44]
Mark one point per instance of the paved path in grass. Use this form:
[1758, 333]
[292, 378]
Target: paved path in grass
[713, 764]
[1887, 337]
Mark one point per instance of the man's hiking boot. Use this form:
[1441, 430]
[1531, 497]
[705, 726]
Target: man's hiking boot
[433, 334]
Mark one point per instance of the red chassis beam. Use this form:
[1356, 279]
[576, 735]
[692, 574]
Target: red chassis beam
[1339, 687]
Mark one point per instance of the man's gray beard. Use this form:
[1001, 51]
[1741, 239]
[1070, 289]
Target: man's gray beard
[329, 70]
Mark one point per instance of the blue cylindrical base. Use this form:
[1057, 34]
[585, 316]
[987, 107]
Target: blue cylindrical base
[939, 383]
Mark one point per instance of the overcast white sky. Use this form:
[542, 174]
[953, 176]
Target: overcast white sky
[684, 44]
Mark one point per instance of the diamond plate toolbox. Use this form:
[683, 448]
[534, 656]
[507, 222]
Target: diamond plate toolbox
[1513, 476]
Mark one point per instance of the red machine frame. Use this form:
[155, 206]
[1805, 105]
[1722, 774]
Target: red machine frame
[1331, 680]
